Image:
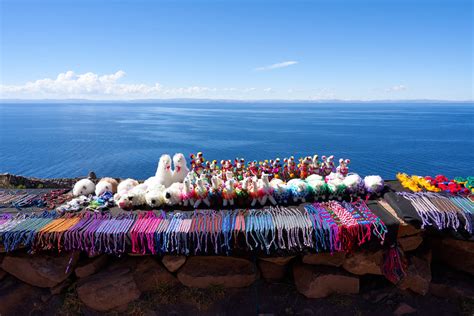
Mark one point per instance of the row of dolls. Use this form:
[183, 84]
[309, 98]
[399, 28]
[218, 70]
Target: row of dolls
[289, 168]
[196, 191]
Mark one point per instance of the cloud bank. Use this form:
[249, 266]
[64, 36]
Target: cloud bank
[95, 86]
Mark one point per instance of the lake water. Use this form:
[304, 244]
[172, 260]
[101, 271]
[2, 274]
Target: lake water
[126, 139]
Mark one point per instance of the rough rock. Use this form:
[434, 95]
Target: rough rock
[91, 266]
[149, 274]
[418, 276]
[318, 281]
[108, 290]
[404, 309]
[410, 243]
[364, 262]
[61, 287]
[173, 263]
[2, 274]
[230, 272]
[335, 259]
[40, 270]
[282, 261]
[450, 291]
[458, 254]
[271, 271]
[18, 298]
[405, 230]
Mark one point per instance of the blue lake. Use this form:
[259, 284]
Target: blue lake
[126, 139]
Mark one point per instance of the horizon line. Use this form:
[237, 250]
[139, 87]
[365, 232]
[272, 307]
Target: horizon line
[211, 100]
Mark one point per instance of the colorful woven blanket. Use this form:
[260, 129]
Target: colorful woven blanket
[330, 226]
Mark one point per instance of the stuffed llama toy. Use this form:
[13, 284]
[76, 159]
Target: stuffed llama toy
[228, 193]
[173, 194]
[249, 184]
[354, 184]
[106, 185]
[164, 174]
[201, 193]
[124, 187]
[216, 188]
[187, 195]
[299, 190]
[180, 168]
[265, 190]
[83, 187]
[135, 197]
[281, 193]
[336, 187]
[154, 196]
[373, 184]
[317, 185]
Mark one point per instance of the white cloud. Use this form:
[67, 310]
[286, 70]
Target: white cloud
[69, 85]
[277, 65]
[396, 88]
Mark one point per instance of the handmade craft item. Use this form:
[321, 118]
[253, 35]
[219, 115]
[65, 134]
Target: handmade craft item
[180, 169]
[83, 187]
[106, 185]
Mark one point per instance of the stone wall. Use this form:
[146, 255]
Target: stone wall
[107, 283]
[10, 181]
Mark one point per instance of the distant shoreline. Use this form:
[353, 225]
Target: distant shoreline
[211, 101]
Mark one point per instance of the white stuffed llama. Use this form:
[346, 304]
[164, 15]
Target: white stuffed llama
[124, 187]
[299, 190]
[135, 197]
[373, 184]
[250, 185]
[265, 190]
[201, 193]
[228, 193]
[187, 195]
[180, 168]
[154, 196]
[83, 187]
[173, 194]
[280, 190]
[106, 185]
[164, 174]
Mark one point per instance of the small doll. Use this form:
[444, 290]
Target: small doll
[343, 167]
[214, 167]
[250, 186]
[304, 167]
[201, 193]
[197, 162]
[327, 166]
[316, 165]
[215, 191]
[228, 193]
[265, 190]
[226, 165]
[276, 168]
[187, 193]
[239, 165]
[252, 169]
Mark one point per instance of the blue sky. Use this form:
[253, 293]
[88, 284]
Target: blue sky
[380, 49]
